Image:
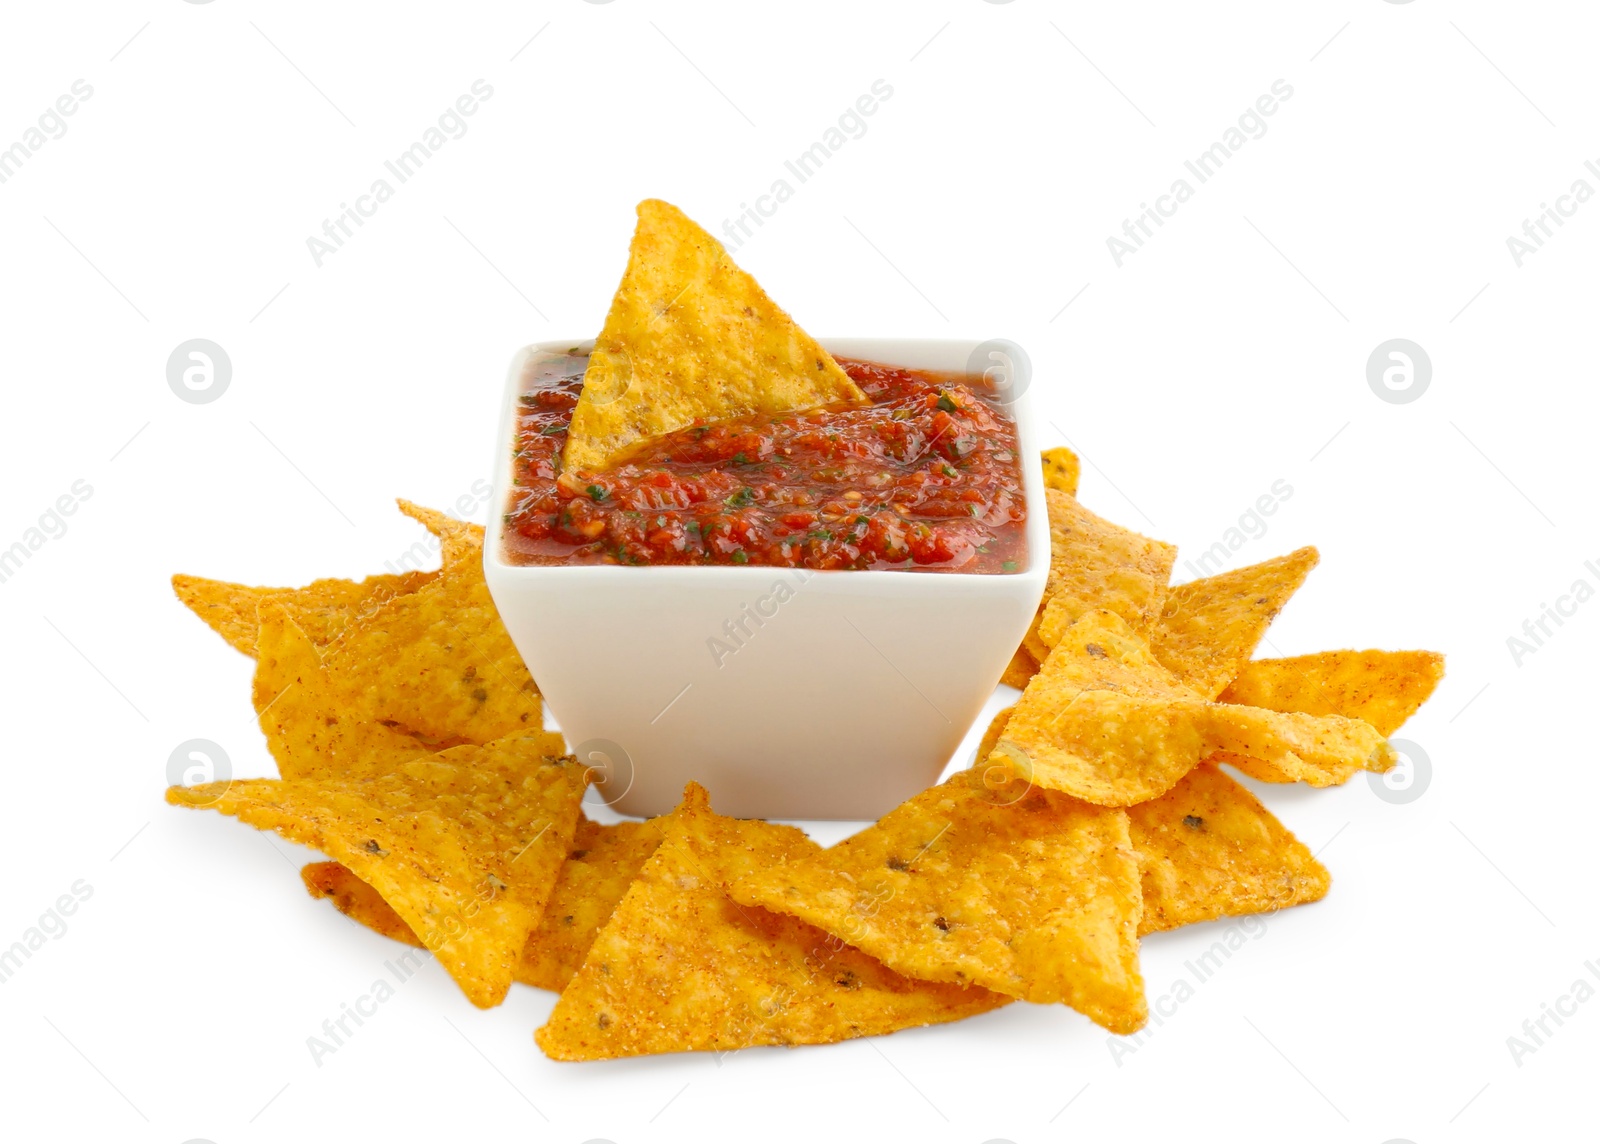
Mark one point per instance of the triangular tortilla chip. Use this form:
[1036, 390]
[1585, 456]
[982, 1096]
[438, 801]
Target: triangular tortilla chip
[1209, 628]
[992, 733]
[423, 651]
[460, 541]
[1093, 564]
[1096, 564]
[1033, 650]
[983, 881]
[358, 901]
[602, 864]
[1383, 687]
[438, 661]
[323, 607]
[312, 727]
[1021, 669]
[691, 338]
[1208, 849]
[1061, 470]
[1104, 722]
[464, 845]
[681, 967]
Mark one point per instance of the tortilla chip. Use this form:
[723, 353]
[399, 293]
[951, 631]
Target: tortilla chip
[356, 900]
[1061, 470]
[681, 967]
[1033, 647]
[452, 670]
[1095, 564]
[437, 662]
[424, 651]
[1385, 688]
[460, 541]
[313, 727]
[1021, 669]
[602, 864]
[1025, 892]
[1209, 628]
[323, 607]
[1208, 850]
[992, 734]
[1106, 723]
[464, 845]
[690, 338]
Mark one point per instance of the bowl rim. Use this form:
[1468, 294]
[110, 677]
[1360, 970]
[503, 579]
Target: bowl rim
[1036, 524]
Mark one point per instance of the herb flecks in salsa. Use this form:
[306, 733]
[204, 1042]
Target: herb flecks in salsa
[926, 477]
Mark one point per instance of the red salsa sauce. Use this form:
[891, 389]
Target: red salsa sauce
[927, 478]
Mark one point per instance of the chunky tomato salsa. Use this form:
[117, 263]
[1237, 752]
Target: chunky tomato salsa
[926, 477]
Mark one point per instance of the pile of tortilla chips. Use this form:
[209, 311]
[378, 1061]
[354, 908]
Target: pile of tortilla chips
[408, 739]
[1097, 810]
[409, 742]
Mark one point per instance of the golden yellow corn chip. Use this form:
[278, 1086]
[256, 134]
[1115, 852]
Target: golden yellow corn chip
[992, 734]
[1208, 849]
[1032, 653]
[313, 726]
[356, 900]
[1291, 747]
[460, 541]
[681, 967]
[1095, 564]
[691, 337]
[464, 845]
[1106, 723]
[983, 881]
[323, 607]
[1020, 669]
[1385, 688]
[601, 866]
[1061, 470]
[1209, 628]
[437, 662]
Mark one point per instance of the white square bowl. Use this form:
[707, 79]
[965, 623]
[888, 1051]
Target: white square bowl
[848, 691]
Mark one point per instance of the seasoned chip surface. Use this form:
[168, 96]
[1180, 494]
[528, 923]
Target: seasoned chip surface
[1021, 669]
[1385, 688]
[680, 966]
[313, 728]
[1104, 722]
[1095, 564]
[438, 662]
[1209, 849]
[691, 337]
[984, 881]
[991, 735]
[1061, 470]
[602, 864]
[465, 845]
[1209, 628]
[324, 608]
[357, 690]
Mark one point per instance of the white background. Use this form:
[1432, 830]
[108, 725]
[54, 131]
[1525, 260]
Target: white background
[1227, 354]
